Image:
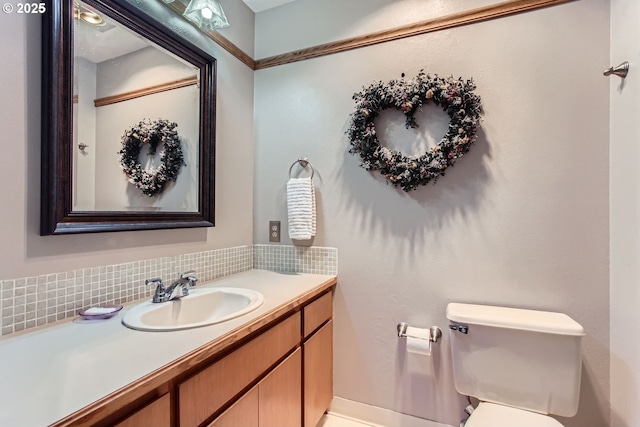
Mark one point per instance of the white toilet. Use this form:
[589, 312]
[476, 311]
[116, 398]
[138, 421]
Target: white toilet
[521, 364]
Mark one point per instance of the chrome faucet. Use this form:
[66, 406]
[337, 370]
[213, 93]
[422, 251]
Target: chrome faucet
[178, 289]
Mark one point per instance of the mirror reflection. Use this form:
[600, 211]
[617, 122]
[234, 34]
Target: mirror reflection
[128, 89]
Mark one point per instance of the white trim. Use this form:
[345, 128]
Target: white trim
[377, 417]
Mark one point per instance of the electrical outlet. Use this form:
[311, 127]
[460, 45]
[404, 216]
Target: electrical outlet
[274, 231]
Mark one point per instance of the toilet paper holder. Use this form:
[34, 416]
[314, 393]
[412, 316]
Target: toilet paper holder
[435, 333]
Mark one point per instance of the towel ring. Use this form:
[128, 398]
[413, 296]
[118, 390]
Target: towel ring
[304, 162]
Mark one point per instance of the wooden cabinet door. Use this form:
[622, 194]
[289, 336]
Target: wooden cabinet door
[318, 374]
[156, 413]
[280, 401]
[243, 413]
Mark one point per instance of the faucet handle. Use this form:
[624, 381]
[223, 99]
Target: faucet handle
[190, 276]
[157, 297]
[156, 281]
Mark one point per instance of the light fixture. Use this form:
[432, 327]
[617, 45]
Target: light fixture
[89, 16]
[206, 14]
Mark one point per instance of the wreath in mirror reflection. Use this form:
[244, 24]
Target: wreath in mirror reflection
[160, 132]
[454, 96]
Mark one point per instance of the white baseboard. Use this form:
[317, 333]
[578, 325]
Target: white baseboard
[377, 416]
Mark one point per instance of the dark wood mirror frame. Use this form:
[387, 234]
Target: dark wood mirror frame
[57, 215]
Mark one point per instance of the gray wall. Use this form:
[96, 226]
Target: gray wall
[625, 198]
[521, 221]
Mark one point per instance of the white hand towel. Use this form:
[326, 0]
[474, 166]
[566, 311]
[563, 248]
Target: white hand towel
[301, 206]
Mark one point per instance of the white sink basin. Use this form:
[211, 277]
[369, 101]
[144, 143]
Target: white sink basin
[202, 307]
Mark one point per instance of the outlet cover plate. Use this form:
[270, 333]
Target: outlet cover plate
[274, 231]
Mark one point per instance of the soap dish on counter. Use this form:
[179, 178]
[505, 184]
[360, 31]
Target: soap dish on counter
[100, 312]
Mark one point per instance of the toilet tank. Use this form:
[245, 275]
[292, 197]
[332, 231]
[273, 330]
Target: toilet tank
[521, 358]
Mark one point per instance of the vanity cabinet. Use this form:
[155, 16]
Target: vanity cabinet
[274, 372]
[283, 396]
[156, 413]
[206, 392]
[274, 402]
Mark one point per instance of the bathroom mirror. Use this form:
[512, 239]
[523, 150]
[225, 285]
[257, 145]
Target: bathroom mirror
[128, 122]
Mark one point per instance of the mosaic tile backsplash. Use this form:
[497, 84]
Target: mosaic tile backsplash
[313, 260]
[35, 301]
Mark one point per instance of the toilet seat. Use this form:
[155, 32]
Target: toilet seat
[493, 415]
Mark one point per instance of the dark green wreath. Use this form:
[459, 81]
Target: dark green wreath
[455, 97]
[151, 182]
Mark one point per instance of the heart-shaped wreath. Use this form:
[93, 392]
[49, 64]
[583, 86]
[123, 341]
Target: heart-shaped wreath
[151, 182]
[455, 97]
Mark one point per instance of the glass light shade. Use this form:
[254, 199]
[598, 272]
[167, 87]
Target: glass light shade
[206, 14]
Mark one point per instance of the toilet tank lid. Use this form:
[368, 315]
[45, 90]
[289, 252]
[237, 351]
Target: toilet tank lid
[514, 318]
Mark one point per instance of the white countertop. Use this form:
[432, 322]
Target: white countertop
[51, 373]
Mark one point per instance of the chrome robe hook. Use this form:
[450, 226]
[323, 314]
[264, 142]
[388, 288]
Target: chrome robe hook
[621, 70]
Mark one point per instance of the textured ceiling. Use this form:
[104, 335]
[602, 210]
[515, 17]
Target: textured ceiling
[260, 5]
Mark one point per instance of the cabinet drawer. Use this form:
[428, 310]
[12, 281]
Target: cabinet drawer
[206, 392]
[156, 413]
[316, 313]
